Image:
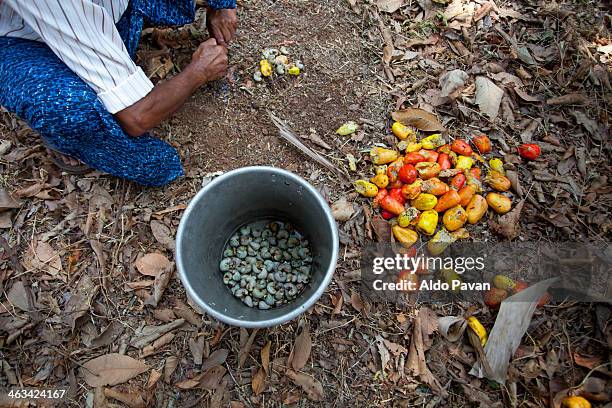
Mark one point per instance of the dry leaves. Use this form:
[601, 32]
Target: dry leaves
[108, 335]
[132, 398]
[169, 367]
[452, 82]
[425, 324]
[488, 96]
[389, 6]
[246, 342]
[80, 300]
[42, 256]
[7, 202]
[160, 66]
[152, 264]
[258, 382]
[418, 118]
[301, 348]
[21, 297]
[569, 99]
[147, 334]
[313, 388]
[265, 356]
[111, 369]
[162, 234]
[158, 266]
[508, 225]
[216, 358]
[342, 210]
[208, 380]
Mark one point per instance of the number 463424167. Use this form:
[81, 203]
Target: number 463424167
[36, 393]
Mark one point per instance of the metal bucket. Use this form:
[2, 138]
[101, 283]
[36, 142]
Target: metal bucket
[237, 198]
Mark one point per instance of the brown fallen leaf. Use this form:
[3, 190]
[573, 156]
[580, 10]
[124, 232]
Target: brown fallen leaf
[211, 379]
[385, 357]
[21, 296]
[169, 367]
[99, 400]
[216, 358]
[31, 190]
[525, 96]
[157, 345]
[413, 42]
[245, 347]
[220, 396]
[159, 66]
[342, 210]
[515, 182]
[301, 348]
[159, 286]
[508, 224]
[187, 313]
[41, 256]
[389, 6]
[98, 249]
[178, 207]
[80, 301]
[148, 334]
[569, 99]
[108, 335]
[488, 96]
[140, 284]
[356, 301]
[316, 139]
[196, 346]
[513, 319]
[152, 264]
[265, 356]
[165, 315]
[419, 118]
[484, 10]
[154, 377]
[258, 382]
[162, 234]
[589, 124]
[424, 325]
[5, 220]
[381, 228]
[312, 387]
[111, 369]
[588, 362]
[190, 382]
[7, 202]
[452, 82]
[337, 301]
[132, 399]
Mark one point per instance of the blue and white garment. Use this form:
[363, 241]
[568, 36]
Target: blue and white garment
[67, 82]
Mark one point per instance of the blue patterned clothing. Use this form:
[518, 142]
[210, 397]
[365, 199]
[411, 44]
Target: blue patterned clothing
[38, 87]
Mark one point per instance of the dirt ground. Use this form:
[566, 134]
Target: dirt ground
[87, 299]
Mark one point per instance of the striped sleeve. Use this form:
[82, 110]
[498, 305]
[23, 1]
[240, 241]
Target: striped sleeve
[222, 4]
[83, 35]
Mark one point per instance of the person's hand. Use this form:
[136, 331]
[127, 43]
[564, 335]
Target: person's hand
[209, 61]
[222, 25]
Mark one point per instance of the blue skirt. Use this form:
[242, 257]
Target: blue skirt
[39, 88]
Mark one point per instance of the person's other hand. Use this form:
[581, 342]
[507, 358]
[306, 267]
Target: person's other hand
[210, 61]
[222, 25]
